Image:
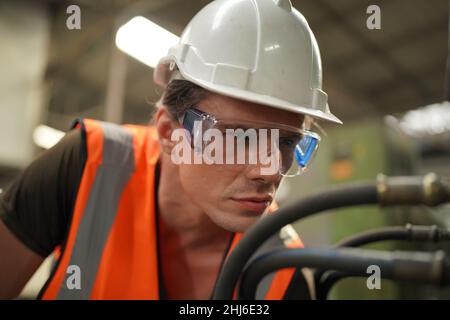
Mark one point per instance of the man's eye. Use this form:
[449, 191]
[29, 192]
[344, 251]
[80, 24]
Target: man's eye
[288, 142]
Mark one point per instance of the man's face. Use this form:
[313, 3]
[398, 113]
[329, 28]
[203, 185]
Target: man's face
[234, 196]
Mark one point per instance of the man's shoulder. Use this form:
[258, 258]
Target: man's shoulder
[123, 140]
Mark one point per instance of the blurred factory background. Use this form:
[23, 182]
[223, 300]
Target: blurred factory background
[388, 86]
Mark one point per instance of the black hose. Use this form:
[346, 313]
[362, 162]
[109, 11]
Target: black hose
[389, 233]
[337, 197]
[408, 232]
[325, 280]
[399, 265]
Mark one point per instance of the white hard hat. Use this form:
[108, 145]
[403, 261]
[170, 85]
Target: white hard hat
[261, 51]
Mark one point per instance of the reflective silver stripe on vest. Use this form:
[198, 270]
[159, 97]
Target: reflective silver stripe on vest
[101, 209]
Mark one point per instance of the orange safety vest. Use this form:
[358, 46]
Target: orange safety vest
[113, 232]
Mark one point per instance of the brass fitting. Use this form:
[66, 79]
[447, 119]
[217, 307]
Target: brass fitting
[430, 190]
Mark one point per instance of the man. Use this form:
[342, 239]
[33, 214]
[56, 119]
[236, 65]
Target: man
[117, 206]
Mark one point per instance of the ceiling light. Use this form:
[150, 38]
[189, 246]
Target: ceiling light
[144, 40]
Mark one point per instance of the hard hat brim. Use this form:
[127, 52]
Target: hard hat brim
[162, 76]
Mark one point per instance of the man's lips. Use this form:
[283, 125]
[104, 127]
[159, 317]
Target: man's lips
[255, 204]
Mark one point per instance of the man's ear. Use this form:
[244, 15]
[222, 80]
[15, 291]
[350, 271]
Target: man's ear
[165, 124]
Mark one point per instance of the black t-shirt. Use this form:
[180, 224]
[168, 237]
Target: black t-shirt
[38, 205]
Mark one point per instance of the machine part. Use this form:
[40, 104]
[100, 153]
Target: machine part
[345, 195]
[430, 190]
[421, 267]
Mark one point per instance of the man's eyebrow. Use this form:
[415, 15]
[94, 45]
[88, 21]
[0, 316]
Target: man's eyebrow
[285, 134]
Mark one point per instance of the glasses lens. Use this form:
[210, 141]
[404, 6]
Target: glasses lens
[302, 155]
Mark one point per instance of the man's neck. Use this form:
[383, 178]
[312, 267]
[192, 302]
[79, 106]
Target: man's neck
[192, 246]
[180, 219]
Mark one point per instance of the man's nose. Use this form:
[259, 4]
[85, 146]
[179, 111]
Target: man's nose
[264, 173]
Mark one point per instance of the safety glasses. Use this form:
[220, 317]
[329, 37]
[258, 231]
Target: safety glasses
[243, 141]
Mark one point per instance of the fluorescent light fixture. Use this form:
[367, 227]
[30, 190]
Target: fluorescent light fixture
[144, 40]
[429, 120]
[46, 137]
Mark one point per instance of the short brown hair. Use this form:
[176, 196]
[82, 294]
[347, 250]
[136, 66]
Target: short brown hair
[181, 95]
